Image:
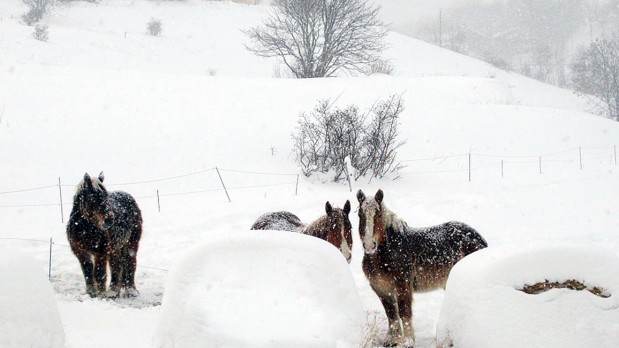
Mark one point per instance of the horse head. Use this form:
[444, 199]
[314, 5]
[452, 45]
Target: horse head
[92, 199]
[371, 221]
[339, 229]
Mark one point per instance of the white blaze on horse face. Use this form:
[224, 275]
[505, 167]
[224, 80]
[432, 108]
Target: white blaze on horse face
[345, 248]
[369, 241]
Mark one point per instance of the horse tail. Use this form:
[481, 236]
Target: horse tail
[471, 239]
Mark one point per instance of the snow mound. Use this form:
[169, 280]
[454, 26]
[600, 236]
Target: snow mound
[29, 315]
[484, 305]
[261, 289]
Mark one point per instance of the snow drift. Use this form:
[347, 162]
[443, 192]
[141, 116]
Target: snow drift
[485, 307]
[261, 289]
[29, 314]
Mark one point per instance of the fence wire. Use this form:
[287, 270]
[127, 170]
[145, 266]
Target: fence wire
[438, 160]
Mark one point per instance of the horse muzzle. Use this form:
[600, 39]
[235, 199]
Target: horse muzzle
[369, 247]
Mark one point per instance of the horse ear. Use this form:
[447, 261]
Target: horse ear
[328, 208]
[360, 196]
[379, 196]
[101, 177]
[347, 207]
[87, 180]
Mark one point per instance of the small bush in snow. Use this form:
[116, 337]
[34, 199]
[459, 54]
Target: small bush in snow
[37, 9]
[154, 27]
[40, 32]
[329, 140]
[381, 67]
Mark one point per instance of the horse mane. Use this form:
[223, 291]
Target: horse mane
[316, 228]
[391, 219]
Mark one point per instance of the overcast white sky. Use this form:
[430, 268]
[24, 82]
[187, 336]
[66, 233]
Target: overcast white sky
[402, 12]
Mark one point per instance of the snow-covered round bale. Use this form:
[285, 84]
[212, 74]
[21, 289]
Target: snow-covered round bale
[269, 289]
[547, 296]
[29, 314]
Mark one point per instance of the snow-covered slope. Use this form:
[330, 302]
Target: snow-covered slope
[160, 114]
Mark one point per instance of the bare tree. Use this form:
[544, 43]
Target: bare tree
[316, 38]
[595, 72]
[37, 9]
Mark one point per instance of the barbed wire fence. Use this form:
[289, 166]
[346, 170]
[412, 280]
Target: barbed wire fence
[466, 166]
[468, 160]
[51, 252]
[61, 203]
[157, 194]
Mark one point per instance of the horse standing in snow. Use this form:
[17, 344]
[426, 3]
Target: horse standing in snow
[334, 227]
[400, 260]
[105, 228]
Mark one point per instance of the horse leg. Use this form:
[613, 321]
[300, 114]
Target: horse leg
[385, 291]
[131, 261]
[405, 311]
[116, 270]
[130, 265]
[87, 266]
[100, 274]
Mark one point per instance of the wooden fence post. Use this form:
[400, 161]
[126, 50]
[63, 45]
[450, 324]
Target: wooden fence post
[224, 185]
[61, 208]
[502, 171]
[158, 202]
[540, 164]
[49, 271]
[469, 166]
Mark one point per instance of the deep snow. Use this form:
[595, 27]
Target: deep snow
[29, 315]
[485, 306]
[159, 114]
[261, 289]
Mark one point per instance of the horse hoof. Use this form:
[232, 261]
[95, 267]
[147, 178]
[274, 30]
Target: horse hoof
[408, 343]
[132, 292]
[399, 342]
[390, 344]
[112, 294]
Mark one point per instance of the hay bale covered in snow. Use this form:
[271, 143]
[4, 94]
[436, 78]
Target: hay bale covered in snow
[29, 315]
[547, 296]
[261, 289]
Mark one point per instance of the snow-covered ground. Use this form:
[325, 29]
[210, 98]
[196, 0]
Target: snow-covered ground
[162, 115]
[492, 298]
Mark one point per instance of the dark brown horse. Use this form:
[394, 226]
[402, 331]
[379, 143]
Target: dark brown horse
[400, 260]
[105, 228]
[334, 227]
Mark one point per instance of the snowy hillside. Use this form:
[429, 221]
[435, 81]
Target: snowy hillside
[160, 114]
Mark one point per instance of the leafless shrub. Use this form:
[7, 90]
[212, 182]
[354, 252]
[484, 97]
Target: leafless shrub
[37, 8]
[154, 27]
[373, 322]
[381, 67]
[326, 138]
[40, 32]
[380, 141]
